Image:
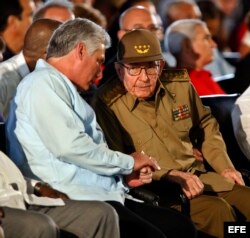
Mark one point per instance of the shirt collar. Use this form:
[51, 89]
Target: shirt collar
[22, 66]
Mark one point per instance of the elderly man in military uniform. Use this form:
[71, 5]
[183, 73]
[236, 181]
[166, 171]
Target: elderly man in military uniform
[159, 112]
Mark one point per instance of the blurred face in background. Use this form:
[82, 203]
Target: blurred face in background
[226, 6]
[203, 45]
[140, 18]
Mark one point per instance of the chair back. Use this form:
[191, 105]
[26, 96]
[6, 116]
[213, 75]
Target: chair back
[221, 107]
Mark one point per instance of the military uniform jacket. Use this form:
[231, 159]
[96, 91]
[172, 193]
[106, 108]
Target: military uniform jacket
[161, 127]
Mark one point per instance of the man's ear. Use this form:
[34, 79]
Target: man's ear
[12, 21]
[162, 63]
[187, 46]
[81, 50]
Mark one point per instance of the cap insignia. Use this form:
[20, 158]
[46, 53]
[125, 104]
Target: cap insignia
[142, 49]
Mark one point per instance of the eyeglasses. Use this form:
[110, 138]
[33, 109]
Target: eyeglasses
[136, 70]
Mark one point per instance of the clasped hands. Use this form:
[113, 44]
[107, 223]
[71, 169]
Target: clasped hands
[144, 166]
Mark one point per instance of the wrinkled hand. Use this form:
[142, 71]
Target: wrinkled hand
[233, 175]
[190, 184]
[47, 191]
[138, 178]
[142, 160]
[198, 155]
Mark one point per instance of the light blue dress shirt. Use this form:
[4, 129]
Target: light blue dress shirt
[62, 141]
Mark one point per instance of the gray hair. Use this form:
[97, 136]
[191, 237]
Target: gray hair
[178, 31]
[51, 4]
[72, 32]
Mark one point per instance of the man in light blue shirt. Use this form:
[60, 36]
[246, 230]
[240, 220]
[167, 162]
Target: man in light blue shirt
[65, 146]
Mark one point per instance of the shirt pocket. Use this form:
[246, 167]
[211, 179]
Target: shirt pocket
[182, 128]
[142, 138]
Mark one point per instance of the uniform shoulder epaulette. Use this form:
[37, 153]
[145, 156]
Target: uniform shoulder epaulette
[111, 91]
[180, 75]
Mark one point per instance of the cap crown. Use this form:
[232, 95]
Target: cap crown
[139, 46]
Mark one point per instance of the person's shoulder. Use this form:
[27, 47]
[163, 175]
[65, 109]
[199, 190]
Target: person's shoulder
[175, 75]
[110, 90]
[9, 64]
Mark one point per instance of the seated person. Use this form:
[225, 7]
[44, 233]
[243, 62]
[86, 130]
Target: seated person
[242, 68]
[190, 42]
[14, 69]
[241, 122]
[21, 210]
[65, 147]
[159, 112]
[136, 17]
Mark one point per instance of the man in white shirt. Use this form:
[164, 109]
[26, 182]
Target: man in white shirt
[22, 210]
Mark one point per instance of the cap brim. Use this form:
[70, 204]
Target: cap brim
[141, 59]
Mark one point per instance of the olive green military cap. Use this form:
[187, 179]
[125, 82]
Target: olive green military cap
[139, 46]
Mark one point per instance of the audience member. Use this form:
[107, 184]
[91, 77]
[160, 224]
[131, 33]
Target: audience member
[244, 44]
[190, 42]
[46, 214]
[13, 70]
[85, 10]
[242, 80]
[161, 114]
[213, 17]
[180, 9]
[15, 18]
[176, 10]
[114, 27]
[54, 9]
[136, 17]
[73, 142]
[240, 119]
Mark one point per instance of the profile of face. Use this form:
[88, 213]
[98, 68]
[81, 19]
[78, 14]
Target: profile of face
[140, 79]
[91, 63]
[24, 21]
[203, 45]
[184, 11]
[227, 6]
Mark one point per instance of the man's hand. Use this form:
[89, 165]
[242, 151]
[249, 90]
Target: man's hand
[190, 184]
[44, 190]
[233, 175]
[138, 178]
[142, 160]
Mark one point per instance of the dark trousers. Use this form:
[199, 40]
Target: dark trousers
[142, 220]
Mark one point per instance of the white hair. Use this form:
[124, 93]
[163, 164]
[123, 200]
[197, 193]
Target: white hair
[178, 31]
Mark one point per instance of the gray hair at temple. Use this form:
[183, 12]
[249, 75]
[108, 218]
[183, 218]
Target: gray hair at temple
[70, 33]
[178, 32]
